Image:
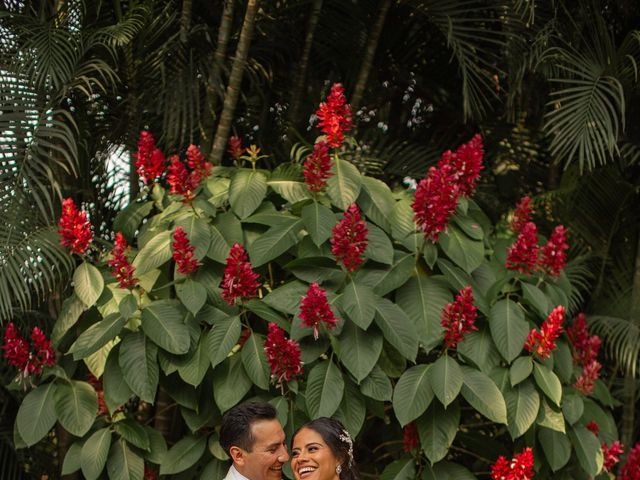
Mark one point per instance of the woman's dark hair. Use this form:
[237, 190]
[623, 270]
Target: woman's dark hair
[236, 424]
[339, 441]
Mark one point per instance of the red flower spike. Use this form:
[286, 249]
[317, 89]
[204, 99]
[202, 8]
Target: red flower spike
[520, 467]
[522, 214]
[554, 253]
[586, 381]
[150, 473]
[410, 439]
[349, 239]
[149, 159]
[97, 386]
[522, 256]
[593, 427]
[121, 268]
[631, 470]
[178, 178]
[435, 201]
[317, 167]
[283, 355]
[28, 359]
[335, 116]
[542, 343]
[183, 253]
[235, 148]
[197, 163]
[43, 354]
[239, 281]
[458, 317]
[611, 454]
[466, 163]
[315, 309]
[74, 228]
[16, 348]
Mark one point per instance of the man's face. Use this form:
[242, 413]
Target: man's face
[268, 453]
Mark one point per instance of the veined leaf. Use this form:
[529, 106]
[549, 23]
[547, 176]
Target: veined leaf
[247, 190]
[343, 187]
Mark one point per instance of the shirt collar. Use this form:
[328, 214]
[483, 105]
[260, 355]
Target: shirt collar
[236, 475]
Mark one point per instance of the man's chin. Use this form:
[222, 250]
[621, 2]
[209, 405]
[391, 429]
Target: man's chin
[275, 474]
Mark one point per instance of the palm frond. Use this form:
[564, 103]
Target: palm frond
[580, 275]
[621, 338]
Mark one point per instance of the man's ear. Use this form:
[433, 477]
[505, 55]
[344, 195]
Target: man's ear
[237, 455]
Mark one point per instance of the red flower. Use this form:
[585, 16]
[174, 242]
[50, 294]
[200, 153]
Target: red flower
[410, 439]
[522, 256]
[585, 346]
[16, 348]
[28, 359]
[239, 281]
[335, 116]
[183, 253]
[554, 255]
[522, 214]
[197, 163]
[283, 355]
[317, 167]
[586, 381]
[458, 317]
[314, 309]
[97, 386]
[150, 473]
[74, 228]
[611, 455]
[520, 467]
[542, 343]
[349, 239]
[235, 147]
[149, 159]
[178, 178]
[593, 426]
[466, 163]
[631, 470]
[184, 181]
[121, 268]
[435, 201]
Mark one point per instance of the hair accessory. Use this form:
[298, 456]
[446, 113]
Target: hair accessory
[346, 438]
[338, 469]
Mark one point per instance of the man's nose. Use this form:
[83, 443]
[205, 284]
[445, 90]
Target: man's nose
[284, 454]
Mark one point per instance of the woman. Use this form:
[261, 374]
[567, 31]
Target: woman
[323, 450]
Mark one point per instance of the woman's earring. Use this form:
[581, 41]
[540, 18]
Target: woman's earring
[338, 469]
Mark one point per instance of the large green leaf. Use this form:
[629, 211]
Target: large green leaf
[550, 417]
[247, 190]
[286, 298]
[274, 242]
[71, 462]
[523, 403]
[359, 350]
[448, 471]
[588, 449]
[219, 246]
[343, 187]
[446, 379]
[402, 223]
[572, 407]
[183, 454]
[95, 451]
[359, 303]
[116, 392]
[128, 220]
[97, 336]
[404, 469]
[520, 370]
[163, 324]
[325, 388]
[192, 294]
[376, 201]
[123, 463]
[133, 433]
[155, 253]
[412, 394]
[319, 222]
[37, 414]
[556, 447]
[198, 233]
[352, 410]
[508, 328]
[377, 385]
[548, 382]
[288, 182]
[483, 395]
[69, 314]
[396, 275]
[76, 405]
[87, 283]
[464, 251]
[379, 248]
[230, 383]
[437, 429]
[397, 328]
[479, 348]
[222, 338]
[255, 362]
[536, 298]
[197, 365]
[137, 360]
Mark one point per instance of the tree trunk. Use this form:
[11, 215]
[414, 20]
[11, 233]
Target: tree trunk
[369, 53]
[64, 442]
[235, 81]
[301, 76]
[219, 57]
[185, 20]
[163, 417]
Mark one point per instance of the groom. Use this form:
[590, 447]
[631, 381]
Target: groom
[254, 440]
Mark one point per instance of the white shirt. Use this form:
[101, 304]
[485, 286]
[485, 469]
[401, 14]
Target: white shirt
[235, 474]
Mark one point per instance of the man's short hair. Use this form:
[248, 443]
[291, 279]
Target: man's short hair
[236, 424]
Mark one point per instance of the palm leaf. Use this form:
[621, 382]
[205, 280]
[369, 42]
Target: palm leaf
[621, 338]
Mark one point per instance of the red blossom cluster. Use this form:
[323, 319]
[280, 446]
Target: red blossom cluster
[522, 256]
[522, 214]
[184, 181]
[121, 268]
[97, 386]
[335, 116]
[585, 353]
[150, 473]
[184, 253]
[437, 194]
[519, 468]
[317, 167]
[239, 280]
[458, 317]
[28, 359]
[74, 228]
[234, 147]
[554, 253]
[283, 355]
[149, 159]
[631, 469]
[315, 310]
[611, 454]
[543, 342]
[349, 239]
[410, 439]
[593, 427]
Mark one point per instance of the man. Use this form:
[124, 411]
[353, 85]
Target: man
[254, 440]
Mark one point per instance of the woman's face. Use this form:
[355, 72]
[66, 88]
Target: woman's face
[311, 457]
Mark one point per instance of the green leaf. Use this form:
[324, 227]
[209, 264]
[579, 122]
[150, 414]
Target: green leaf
[163, 324]
[255, 362]
[437, 429]
[128, 306]
[287, 297]
[219, 246]
[397, 328]
[456, 277]
[468, 225]
[87, 283]
[319, 222]
[588, 449]
[133, 432]
[400, 470]
[550, 417]
[556, 447]
[94, 453]
[359, 350]
[508, 328]
[379, 248]
[230, 383]
[71, 462]
[479, 348]
[449, 471]
[123, 463]
[266, 313]
[325, 388]
[412, 394]
[157, 446]
[116, 392]
[288, 182]
[359, 303]
[376, 201]
[446, 379]
[137, 361]
[402, 223]
[196, 367]
[548, 383]
[192, 294]
[214, 469]
[377, 385]
[76, 405]
[37, 414]
[483, 395]
[128, 220]
[154, 254]
[222, 338]
[198, 233]
[274, 242]
[465, 252]
[572, 407]
[538, 300]
[246, 192]
[520, 370]
[69, 314]
[219, 189]
[343, 187]
[352, 410]
[97, 336]
[395, 276]
[523, 403]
